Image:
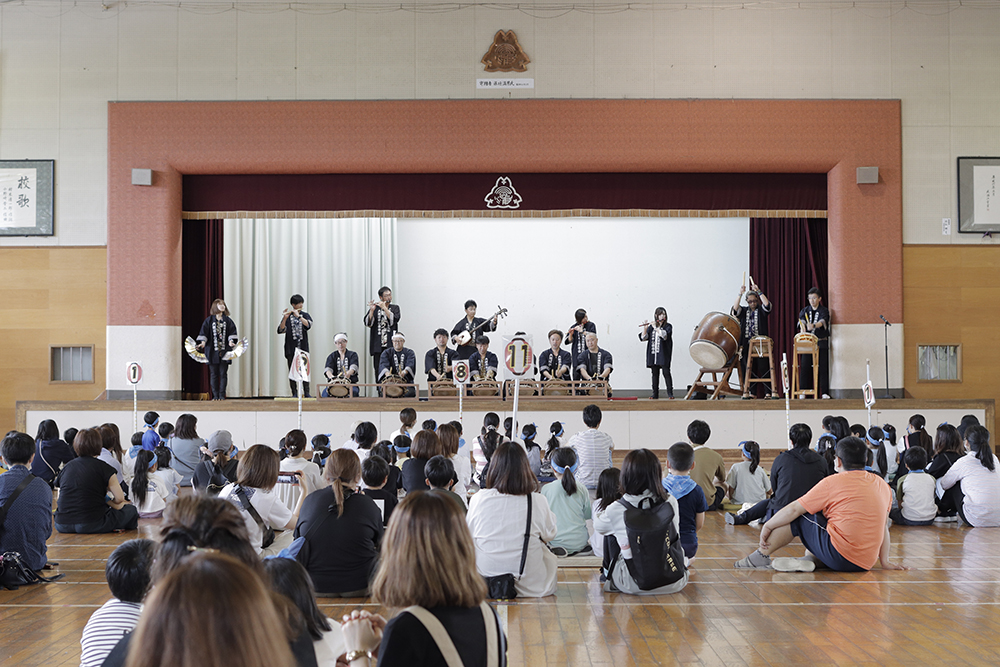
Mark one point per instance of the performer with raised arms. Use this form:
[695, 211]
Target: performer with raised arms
[555, 363]
[382, 317]
[217, 337]
[438, 360]
[753, 322]
[471, 326]
[576, 338]
[815, 319]
[295, 324]
[659, 350]
[342, 363]
[398, 362]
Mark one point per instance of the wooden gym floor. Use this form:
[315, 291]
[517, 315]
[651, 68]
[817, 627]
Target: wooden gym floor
[943, 610]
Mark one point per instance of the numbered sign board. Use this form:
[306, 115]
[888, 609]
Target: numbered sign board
[460, 371]
[133, 372]
[517, 355]
[869, 393]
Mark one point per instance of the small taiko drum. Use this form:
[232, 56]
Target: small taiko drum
[806, 340]
[715, 340]
[339, 387]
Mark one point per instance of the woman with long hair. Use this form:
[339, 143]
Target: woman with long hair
[297, 461]
[484, 446]
[658, 335]
[342, 530]
[51, 452]
[253, 494]
[498, 516]
[449, 438]
[641, 479]
[977, 479]
[217, 337]
[111, 451]
[428, 571]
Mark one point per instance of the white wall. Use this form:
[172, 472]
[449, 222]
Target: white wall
[61, 62]
[542, 270]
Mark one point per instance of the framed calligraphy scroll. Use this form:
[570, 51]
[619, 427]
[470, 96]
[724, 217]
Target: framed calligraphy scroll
[978, 195]
[26, 197]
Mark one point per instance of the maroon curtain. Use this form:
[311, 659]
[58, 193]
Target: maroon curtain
[787, 257]
[201, 284]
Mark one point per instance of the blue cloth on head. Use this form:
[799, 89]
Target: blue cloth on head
[150, 440]
[679, 485]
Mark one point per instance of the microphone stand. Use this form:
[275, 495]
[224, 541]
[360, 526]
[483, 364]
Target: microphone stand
[885, 329]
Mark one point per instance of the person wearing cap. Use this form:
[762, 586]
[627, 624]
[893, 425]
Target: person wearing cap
[342, 363]
[400, 362]
[211, 475]
[438, 360]
[753, 323]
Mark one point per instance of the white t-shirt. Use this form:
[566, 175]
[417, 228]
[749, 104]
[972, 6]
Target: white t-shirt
[289, 493]
[272, 511]
[157, 495]
[917, 492]
[171, 478]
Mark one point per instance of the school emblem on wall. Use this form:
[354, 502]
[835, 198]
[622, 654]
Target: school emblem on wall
[503, 195]
[505, 54]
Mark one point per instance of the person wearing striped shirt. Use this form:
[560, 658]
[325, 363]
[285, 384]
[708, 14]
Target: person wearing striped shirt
[128, 574]
[593, 449]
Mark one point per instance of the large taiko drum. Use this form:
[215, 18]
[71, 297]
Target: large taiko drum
[715, 341]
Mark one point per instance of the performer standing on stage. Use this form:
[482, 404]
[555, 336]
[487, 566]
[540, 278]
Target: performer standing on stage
[468, 323]
[659, 350]
[483, 364]
[815, 319]
[342, 363]
[594, 363]
[753, 322]
[221, 331]
[438, 360]
[383, 319]
[554, 362]
[295, 324]
[399, 362]
[576, 338]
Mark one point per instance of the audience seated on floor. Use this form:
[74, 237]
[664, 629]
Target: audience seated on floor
[84, 484]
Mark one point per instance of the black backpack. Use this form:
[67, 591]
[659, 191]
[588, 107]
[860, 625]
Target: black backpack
[657, 555]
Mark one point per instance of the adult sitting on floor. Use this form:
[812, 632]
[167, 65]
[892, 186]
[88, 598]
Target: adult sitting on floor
[29, 517]
[793, 473]
[842, 521]
[84, 485]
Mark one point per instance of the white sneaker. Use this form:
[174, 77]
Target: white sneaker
[826, 395]
[946, 519]
[793, 564]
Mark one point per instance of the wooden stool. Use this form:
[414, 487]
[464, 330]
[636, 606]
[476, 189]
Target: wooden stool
[760, 347]
[805, 343]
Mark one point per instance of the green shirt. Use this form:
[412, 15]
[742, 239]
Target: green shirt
[571, 513]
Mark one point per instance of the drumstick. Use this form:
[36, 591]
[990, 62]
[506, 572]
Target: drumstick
[744, 279]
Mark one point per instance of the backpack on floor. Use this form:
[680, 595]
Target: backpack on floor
[657, 555]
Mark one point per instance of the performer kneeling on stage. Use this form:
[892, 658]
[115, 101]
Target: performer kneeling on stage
[815, 319]
[554, 362]
[438, 360]
[221, 330]
[397, 364]
[594, 363]
[342, 364]
[753, 323]
[659, 350]
[295, 324]
[483, 364]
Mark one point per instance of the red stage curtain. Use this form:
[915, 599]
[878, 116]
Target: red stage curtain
[787, 257]
[201, 284]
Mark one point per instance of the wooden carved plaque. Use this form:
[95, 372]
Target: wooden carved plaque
[505, 54]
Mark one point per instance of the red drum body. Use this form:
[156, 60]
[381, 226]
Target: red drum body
[715, 341]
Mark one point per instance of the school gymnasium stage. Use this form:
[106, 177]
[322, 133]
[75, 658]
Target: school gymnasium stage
[943, 609]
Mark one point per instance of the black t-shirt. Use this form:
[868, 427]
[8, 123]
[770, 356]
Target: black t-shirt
[208, 473]
[388, 501]
[394, 482]
[793, 473]
[406, 642]
[414, 478]
[83, 486]
[340, 555]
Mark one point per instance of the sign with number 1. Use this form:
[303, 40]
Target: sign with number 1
[517, 355]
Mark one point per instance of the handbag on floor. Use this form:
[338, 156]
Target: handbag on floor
[502, 586]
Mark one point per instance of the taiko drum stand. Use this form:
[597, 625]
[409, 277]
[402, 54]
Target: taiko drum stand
[717, 386]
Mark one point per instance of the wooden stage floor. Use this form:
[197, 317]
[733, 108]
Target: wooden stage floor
[943, 610]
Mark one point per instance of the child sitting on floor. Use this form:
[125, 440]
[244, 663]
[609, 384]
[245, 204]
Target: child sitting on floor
[570, 502]
[128, 574]
[691, 503]
[915, 492]
[439, 473]
[608, 491]
[171, 478]
[149, 492]
[747, 480]
[375, 474]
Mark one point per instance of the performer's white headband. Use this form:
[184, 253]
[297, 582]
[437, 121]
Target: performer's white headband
[399, 336]
[339, 337]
